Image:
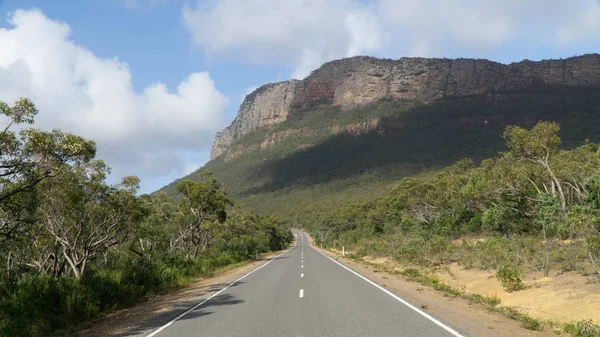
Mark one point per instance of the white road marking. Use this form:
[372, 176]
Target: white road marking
[301, 293]
[302, 266]
[301, 274]
[211, 296]
[422, 313]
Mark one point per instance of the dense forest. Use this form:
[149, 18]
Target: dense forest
[73, 246]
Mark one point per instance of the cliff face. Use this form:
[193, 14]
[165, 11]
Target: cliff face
[265, 106]
[357, 81]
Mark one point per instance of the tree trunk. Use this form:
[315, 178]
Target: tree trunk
[594, 263]
[74, 266]
[547, 253]
[561, 194]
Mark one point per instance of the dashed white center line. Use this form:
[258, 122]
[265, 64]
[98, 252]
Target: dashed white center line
[301, 274]
[302, 266]
[301, 293]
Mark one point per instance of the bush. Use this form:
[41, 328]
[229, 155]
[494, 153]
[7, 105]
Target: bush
[413, 250]
[510, 275]
[143, 276]
[583, 329]
[491, 253]
[440, 249]
[37, 306]
[105, 289]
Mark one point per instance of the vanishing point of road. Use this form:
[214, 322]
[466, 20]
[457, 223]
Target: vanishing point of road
[304, 293]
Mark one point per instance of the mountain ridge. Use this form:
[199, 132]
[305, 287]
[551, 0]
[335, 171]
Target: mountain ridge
[358, 81]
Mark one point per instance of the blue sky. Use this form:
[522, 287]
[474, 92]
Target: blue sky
[152, 80]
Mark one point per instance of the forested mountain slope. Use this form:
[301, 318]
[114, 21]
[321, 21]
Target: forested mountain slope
[351, 129]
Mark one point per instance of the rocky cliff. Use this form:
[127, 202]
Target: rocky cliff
[357, 81]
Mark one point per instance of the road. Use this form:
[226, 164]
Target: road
[304, 293]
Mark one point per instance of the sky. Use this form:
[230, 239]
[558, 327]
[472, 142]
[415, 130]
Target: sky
[152, 81]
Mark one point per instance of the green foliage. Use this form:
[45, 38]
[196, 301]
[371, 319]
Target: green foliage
[586, 328]
[39, 305]
[74, 247]
[510, 276]
[534, 144]
[492, 301]
[26, 159]
[290, 180]
[417, 276]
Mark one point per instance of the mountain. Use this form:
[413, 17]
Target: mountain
[357, 81]
[353, 127]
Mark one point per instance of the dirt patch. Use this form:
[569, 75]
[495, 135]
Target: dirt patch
[473, 318]
[568, 297]
[383, 261]
[150, 315]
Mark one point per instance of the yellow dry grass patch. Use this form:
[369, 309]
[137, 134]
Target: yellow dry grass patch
[567, 297]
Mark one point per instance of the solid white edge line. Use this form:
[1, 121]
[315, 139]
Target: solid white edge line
[213, 295]
[301, 293]
[424, 314]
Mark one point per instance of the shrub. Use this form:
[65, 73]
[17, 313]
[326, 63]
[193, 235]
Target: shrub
[413, 250]
[489, 300]
[510, 275]
[583, 329]
[37, 306]
[491, 253]
[440, 249]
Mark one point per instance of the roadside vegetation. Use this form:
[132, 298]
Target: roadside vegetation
[73, 246]
[534, 208]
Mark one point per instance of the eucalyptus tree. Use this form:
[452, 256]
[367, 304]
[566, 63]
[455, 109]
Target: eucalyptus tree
[202, 205]
[81, 216]
[29, 156]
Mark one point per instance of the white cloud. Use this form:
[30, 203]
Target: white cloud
[137, 133]
[298, 33]
[489, 24]
[303, 34]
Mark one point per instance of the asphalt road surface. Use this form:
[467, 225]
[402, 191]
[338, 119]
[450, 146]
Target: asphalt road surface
[304, 293]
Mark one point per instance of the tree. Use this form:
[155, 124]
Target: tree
[26, 159]
[202, 204]
[153, 232]
[83, 217]
[537, 146]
